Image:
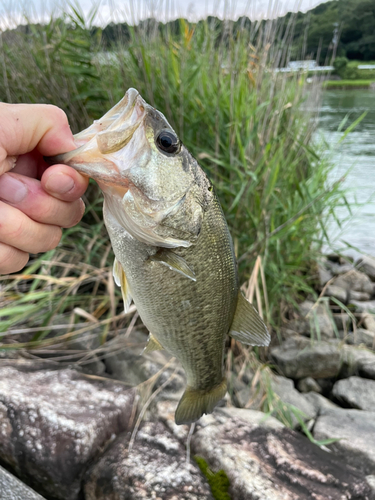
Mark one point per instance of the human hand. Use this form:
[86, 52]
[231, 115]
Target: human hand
[36, 201]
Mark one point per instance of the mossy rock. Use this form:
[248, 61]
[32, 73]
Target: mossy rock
[218, 481]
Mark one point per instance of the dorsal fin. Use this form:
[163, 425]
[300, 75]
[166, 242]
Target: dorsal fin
[120, 280]
[247, 326]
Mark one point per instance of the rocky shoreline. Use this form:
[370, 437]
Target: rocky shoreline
[73, 434]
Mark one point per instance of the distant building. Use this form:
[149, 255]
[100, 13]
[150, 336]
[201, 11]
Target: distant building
[308, 65]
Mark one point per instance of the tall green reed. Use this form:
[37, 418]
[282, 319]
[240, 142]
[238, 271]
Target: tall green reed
[249, 126]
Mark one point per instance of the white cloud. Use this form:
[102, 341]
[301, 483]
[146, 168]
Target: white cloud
[13, 13]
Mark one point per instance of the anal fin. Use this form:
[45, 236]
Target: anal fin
[152, 345]
[120, 280]
[174, 262]
[195, 402]
[247, 326]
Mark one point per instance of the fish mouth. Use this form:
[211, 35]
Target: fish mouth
[98, 145]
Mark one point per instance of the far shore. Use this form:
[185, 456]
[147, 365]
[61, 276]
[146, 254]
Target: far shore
[349, 84]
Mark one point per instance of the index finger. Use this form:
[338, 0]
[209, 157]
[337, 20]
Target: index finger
[24, 127]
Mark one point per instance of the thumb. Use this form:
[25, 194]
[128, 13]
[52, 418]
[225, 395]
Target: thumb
[25, 127]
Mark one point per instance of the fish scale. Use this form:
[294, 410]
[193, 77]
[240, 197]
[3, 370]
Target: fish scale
[161, 296]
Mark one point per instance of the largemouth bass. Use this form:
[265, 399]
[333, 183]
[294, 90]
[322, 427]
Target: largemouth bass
[174, 253]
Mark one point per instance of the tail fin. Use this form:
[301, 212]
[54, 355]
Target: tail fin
[195, 402]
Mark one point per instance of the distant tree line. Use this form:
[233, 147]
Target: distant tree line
[345, 28]
[349, 24]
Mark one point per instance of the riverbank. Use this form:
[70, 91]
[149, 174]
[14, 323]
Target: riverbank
[349, 84]
[310, 418]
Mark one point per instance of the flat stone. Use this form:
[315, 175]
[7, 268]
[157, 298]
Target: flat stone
[299, 358]
[324, 274]
[12, 488]
[355, 392]
[318, 318]
[131, 366]
[337, 268]
[319, 402]
[367, 266]
[362, 296]
[371, 482]
[284, 388]
[314, 320]
[355, 431]
[308, 384]
[366, 306]
[247, 398]
[337, 292]
[53, 422]
[354, 281]
[274, 464]
[357, 361]
[252, 417]
[155, 468]
[368, 321]
[342, 321]
[362, 336]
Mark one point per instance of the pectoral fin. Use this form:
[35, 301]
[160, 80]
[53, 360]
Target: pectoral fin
[120, 280]
[152, 345]
[174, 262]
[247, 326]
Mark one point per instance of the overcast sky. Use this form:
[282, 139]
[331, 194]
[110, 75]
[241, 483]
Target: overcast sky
[133, 10]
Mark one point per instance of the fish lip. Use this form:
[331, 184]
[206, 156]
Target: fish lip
[121, 120]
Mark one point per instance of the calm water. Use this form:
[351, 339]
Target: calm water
[355, 159]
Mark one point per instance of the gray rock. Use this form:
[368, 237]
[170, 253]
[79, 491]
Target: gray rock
[367, 306]
[314, 320]
[245, 395]
[308, 384]
[338, 268]
[362, 296]
[284, 388]
[318, 318]
[354, 281]
[342, 321]
[355, 431]
[53, 422]
[324, 274]
[362, 336]
[299, 358]
[247, 398]
[76, 349]
[356, 392]
[12, 488]
[371, 482]
[368, 321]
[252, 417]
[274, 464]
[337, 292]
[132, 366]
[319, 402]
[155, 468]
[367, 265]
[357, 361]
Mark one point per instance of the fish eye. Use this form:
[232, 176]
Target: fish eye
[167, 141]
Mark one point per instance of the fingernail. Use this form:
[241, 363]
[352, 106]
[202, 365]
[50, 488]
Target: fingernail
[12, 189]
[59, 183]
[8, 164]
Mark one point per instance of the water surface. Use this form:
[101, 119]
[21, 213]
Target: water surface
[354, 159]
